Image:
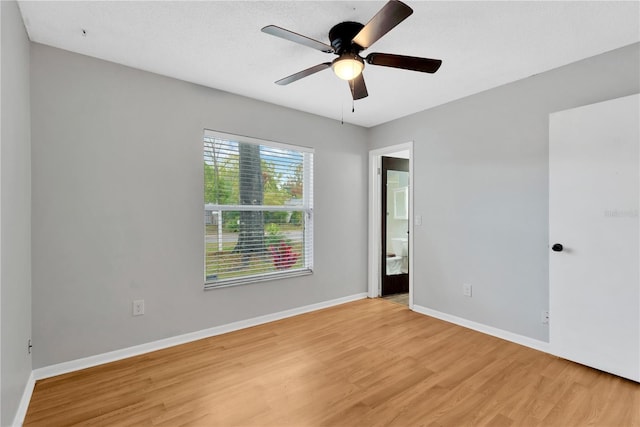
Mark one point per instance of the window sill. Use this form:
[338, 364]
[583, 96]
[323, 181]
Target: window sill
[255, 279]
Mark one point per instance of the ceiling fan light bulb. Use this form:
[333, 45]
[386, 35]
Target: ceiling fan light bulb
[348, 67]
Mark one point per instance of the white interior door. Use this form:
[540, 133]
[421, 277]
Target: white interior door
[594, 186]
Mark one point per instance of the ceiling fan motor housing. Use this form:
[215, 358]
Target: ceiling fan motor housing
[341, 36]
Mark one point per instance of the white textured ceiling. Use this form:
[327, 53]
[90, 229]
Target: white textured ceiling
[219, 44]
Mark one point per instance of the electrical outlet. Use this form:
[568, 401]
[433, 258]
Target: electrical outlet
[545, 317]
[466, 290]
[138, 307]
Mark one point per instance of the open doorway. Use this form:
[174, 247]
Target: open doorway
[394, 236]
[390, 223]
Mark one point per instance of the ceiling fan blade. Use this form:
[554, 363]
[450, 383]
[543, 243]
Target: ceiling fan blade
[358, 88]
[304, 73]
[297, 38]
[425, 65]
[391, 14]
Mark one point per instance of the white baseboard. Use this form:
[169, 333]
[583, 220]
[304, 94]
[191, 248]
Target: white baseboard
[489, 330]
[24, 401]
[112, 356]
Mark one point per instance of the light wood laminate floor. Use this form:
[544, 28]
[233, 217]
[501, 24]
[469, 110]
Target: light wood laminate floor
[366, 363]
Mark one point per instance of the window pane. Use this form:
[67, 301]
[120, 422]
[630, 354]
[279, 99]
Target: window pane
[230, 165]
[280, 248]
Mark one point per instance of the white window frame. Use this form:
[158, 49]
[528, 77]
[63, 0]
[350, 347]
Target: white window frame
[306, 209]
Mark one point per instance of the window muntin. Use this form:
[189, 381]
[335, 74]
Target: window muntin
[258, 209]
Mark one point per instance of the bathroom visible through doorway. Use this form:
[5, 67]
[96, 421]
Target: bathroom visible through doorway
[395, 226]
[388, 257]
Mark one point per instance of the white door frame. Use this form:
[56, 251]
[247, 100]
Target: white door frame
[375, 207]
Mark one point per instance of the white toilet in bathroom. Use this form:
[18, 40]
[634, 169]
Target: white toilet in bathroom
[399, 262]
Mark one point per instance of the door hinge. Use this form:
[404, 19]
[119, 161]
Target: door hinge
[379, 171]
[29, 347]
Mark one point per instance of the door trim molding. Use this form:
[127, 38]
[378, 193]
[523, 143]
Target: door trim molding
[374, 267]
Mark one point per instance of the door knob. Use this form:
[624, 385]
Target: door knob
[557, 247]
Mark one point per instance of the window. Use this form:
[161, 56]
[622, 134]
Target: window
[258, 210]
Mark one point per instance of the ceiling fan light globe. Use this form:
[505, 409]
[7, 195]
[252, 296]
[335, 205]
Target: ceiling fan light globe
[348, 67]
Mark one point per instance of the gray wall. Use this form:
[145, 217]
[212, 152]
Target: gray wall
[118, 206]
[15, 203]
[481, 185]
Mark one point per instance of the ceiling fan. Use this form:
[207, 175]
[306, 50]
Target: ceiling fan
[348, 39]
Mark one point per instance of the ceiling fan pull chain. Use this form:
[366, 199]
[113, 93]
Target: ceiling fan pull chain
[352, 82]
